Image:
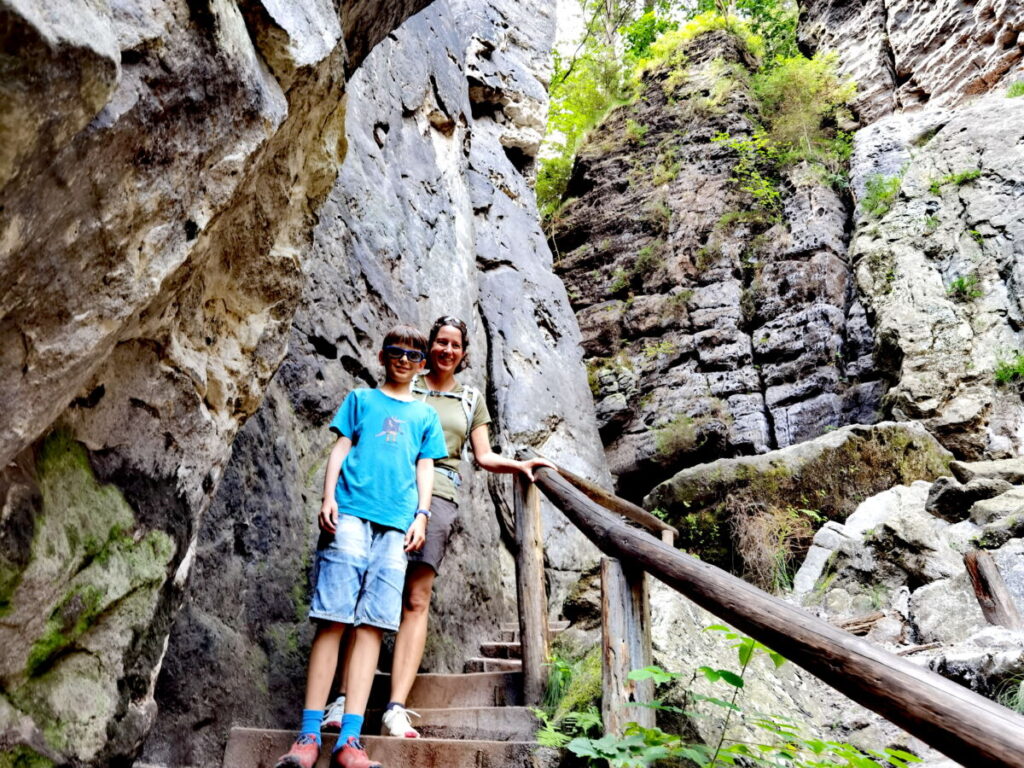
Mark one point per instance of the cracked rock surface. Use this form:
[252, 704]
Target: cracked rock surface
[709, 329]
[955, 221]
[431, 214]
[908, 53]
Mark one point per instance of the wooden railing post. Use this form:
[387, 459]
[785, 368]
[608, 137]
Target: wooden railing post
[625, 646]
[530, 590]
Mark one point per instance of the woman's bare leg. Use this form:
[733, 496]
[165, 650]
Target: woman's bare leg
[412, 633]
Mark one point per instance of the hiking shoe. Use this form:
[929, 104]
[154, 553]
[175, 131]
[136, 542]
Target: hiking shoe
[303, 754]
[333, 715]
[396, 723]
[352, 755]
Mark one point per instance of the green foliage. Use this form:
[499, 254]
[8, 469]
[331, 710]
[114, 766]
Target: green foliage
[658, 348]
[20, 756]
[782, 743]
[755, 170]
[956, 179]
[583, 89]
[1011, 370]
[880, 193]
[931, 223]
[640, 34]
[667, 50]
[800, 96]
[635, 132]
[965, 287]
[1016, 89]
[570, 701]
[677, 436]
[648, 258]
[1011, 694]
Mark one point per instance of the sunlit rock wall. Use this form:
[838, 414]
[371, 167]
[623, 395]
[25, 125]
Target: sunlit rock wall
[432, 214]
[160, 168]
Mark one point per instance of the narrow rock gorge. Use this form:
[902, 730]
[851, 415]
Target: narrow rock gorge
[211, 211]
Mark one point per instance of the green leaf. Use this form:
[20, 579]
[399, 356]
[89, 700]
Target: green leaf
[657, 674]
[731, 678]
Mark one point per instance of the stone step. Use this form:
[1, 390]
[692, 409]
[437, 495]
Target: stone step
[257, 748]
[509, 633]
[481, 723]
[483, 664]
[437, 691]
[501, 650]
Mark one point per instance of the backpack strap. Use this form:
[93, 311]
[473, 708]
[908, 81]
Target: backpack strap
[468, 397]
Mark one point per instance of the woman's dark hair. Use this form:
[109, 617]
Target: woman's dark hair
[408, 336]
[454, 322]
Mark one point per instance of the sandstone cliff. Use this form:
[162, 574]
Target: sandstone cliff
[158, 220]
[710, 330]
[431, 214]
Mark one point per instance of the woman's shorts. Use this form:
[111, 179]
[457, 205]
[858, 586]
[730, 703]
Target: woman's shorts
[439, 531]
[359, 574]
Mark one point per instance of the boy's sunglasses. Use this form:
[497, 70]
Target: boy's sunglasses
[397, 353]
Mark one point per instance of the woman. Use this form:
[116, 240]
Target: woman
[464, 418]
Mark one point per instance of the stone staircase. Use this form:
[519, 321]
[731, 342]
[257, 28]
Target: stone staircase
[469, 720]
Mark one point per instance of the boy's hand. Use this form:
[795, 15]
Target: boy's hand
[417, 534]
[328, 517]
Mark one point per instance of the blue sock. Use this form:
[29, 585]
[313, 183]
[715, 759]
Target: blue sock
[311, 722]
[351, 725]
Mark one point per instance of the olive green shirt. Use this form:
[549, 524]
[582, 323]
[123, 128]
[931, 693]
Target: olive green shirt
[456, 433]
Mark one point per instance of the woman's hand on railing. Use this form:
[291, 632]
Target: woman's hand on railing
[527, 466]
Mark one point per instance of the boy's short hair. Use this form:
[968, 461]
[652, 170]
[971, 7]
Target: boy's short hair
[406, 336]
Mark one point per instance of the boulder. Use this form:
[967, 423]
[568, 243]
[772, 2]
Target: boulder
[1005, 505]
[829, 476]
[1004, 470]
[952, 501]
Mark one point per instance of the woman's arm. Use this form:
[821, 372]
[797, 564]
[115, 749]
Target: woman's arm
[328, 517]
[485, 456]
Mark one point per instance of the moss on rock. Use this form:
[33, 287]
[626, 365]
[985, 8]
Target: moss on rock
[825, 478]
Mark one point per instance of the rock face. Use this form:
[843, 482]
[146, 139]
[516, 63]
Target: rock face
[431, 214]
[896, 563]
[906, 53]
[942, 271]
[160, 169]
[709, 329]
[724, 508]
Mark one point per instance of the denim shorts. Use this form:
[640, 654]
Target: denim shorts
[359, 574]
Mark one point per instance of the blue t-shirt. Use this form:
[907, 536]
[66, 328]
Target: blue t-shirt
[377, 481]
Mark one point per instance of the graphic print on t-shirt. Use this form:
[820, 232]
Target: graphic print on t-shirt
[392, 429]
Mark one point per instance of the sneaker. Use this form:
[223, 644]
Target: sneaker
[352, 755]
[333, 715]
[396, 723]
[303, 754]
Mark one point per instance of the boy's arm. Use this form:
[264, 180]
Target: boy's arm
[417, 532]
[328, 518]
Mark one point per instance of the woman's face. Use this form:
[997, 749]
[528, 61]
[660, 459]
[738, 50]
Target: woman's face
[447, 351]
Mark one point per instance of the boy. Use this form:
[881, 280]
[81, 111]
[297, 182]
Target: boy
[375, 508]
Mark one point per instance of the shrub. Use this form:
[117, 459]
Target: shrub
[965, 287]
[769, 539]
[635, 132]
[667, 50]
[798, 96]
[1016, 89]
[677, 436]
[880, 193]
[755, 169]
[953, 178]
[1011, 370]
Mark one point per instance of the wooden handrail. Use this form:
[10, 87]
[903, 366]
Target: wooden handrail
[954, 720]
[610, 501]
